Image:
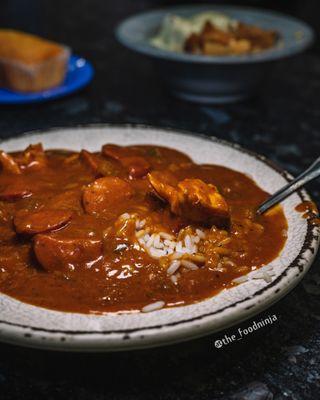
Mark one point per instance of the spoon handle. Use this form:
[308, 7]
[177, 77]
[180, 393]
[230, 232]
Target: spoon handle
[308, 175]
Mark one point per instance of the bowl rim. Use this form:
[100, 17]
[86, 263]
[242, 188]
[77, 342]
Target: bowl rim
[275, 53]
[151, 336]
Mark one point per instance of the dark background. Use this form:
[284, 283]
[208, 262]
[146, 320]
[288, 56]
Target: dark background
[279, 362]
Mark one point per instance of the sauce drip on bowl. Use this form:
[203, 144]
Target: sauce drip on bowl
[309, 211]
[87, 232]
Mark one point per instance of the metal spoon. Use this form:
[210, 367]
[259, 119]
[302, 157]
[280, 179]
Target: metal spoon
[308, 175]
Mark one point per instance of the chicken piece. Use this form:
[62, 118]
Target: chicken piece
[30, 223]
[9, 164]
[33, 158]
[65, 254]
[105, 193]
[192, 199]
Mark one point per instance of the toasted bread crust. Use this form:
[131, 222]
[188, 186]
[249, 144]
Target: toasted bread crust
[29, 63]
[26, 48]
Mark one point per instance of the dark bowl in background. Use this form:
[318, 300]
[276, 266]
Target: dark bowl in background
[215, 79]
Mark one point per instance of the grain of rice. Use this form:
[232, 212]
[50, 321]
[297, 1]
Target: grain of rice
[156, 241]
[196, 257]
[140, 224]
[196, 239]
[156, 253]
[200, 233]
[268, 268]
[179, 248]
[257, 275]
[174, 279]
[229, 262]
[174, 266]
[153, 306]
[267, 277]
[221, 250]
[190, 265]
[169, 243]
[187, 241]
[263, 275]
[225, 241]
[140, 234]
[166, 235]
[150, 241]
[241, 279]
[125, 216]
[176, 255]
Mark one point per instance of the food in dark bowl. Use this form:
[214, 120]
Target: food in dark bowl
[211, 71]
[212, 34]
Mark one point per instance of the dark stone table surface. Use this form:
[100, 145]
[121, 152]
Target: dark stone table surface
[279, 362]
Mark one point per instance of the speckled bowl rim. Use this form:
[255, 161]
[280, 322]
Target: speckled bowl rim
[127, 30]
[182, 330]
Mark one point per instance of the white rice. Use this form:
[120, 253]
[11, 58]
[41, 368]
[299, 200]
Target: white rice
[174, 266]
[266, 273]
[174, 279]
[140, 224]
[125, 216]
[166, 235]
[153, 306]
[156, 253]
[200, 233]
[241, 279]
[189, 265]
[165, 244]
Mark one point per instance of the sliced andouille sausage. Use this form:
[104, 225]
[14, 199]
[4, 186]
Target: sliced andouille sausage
[91, 160]
[65, 254]
[14, 191]
[68, 200]
[105, 193]
[137, 167]
[31, 223]
[98, 165]
[114, 151]
[9, 164]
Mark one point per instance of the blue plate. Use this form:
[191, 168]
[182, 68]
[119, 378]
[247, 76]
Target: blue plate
[80, 73]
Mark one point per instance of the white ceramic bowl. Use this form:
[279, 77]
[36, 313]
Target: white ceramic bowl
[28, 325]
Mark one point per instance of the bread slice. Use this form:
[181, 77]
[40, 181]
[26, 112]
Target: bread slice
[29, 63]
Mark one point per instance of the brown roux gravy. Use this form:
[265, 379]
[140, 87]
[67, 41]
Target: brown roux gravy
[122, 277]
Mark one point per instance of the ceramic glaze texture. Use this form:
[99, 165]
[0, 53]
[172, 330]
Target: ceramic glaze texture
[61, 330]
